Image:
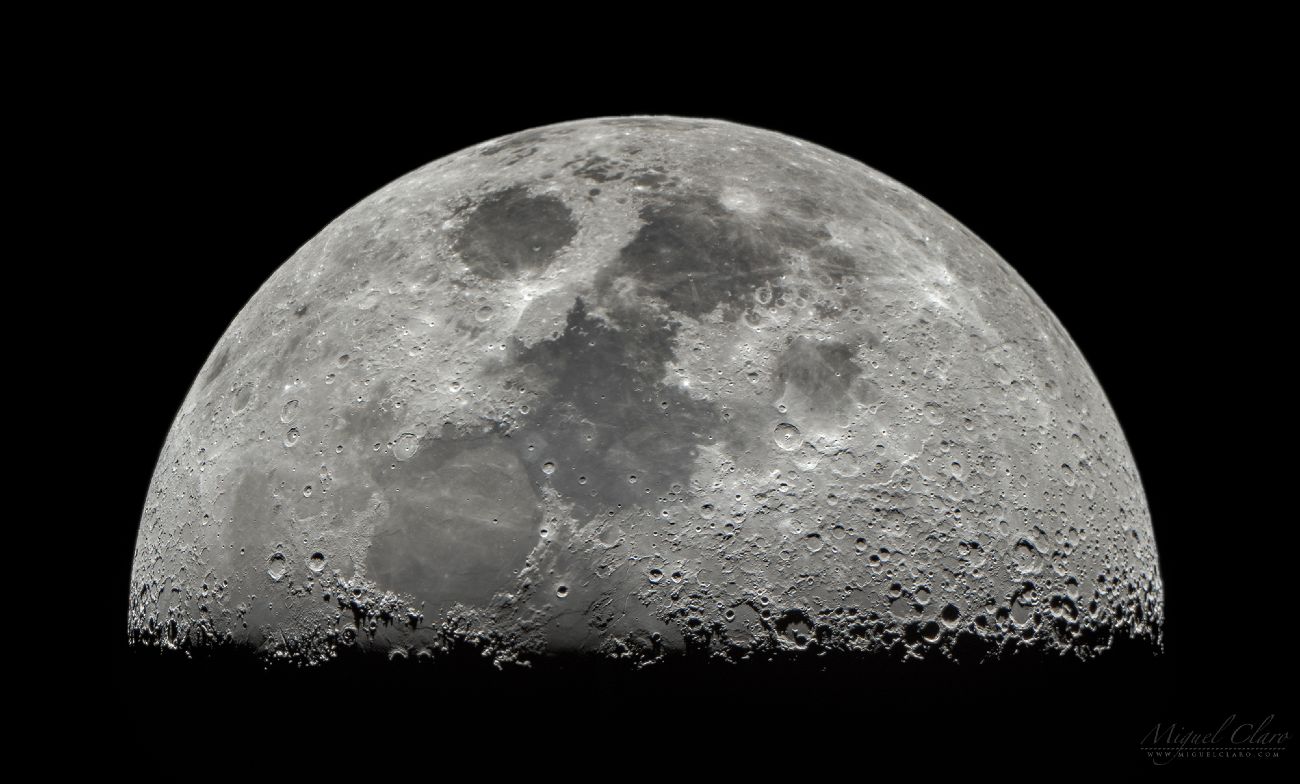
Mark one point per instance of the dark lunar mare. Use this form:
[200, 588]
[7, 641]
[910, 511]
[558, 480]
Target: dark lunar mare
[694, 254]
[513, 231]
[462, 517]
[614, 430]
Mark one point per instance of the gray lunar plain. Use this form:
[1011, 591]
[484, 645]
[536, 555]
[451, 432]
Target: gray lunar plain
[637, 388]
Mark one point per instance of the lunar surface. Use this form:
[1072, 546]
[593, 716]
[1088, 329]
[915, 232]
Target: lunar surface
[640, 388]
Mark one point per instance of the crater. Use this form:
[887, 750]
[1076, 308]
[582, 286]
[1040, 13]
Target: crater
[513, 231]
[218, 366]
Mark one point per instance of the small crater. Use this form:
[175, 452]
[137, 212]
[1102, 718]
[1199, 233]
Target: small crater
[405, 446]
[950, 615]
[242, 397]
[786, 436]
[931, 631]
[795, 626]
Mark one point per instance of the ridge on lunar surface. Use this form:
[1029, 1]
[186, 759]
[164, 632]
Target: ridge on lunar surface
[642, 387]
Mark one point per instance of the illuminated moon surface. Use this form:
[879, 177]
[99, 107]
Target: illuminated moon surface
[639, 388]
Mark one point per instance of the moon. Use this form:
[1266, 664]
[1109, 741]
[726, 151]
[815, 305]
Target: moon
[637, 389]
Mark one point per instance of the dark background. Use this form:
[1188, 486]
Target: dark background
[1137, 188]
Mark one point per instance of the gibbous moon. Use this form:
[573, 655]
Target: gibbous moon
[639, 388]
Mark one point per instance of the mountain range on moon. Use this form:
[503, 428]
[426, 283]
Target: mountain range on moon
[638, 388]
